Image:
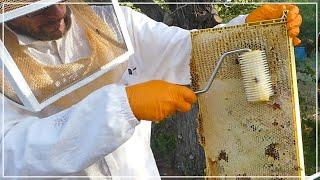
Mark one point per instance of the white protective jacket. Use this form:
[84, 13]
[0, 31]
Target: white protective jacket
[107, 139]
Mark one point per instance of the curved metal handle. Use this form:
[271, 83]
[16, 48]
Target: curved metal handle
[215, 71]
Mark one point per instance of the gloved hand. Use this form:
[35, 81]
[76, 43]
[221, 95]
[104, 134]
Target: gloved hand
[157, 100]
[275, 11]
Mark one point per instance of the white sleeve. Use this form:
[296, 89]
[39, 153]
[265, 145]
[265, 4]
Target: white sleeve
[69, 141]
[161, 52]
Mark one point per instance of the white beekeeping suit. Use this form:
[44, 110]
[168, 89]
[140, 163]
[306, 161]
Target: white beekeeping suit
[98, 136]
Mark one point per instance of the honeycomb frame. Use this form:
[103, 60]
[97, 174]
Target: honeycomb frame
[242, 138]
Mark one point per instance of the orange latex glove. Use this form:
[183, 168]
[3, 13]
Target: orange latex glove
[275, 11]
[156, 100]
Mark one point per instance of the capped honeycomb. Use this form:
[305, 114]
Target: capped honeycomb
[242, 138]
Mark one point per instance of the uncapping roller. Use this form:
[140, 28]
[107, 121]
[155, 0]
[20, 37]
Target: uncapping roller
[254, 71]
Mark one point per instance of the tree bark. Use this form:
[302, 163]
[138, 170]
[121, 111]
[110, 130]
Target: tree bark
[189, 154]
[194, 16]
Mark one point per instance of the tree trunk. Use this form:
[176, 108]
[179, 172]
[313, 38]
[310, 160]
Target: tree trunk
[176, 146]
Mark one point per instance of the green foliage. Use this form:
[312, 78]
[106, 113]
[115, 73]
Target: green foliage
[308, 27]
[163, 5]
[309, 143]
[306, 70]
[131, 5]
[229, 11]
[307, 98]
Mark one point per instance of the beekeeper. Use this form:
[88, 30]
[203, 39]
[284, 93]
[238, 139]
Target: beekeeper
[107, 133]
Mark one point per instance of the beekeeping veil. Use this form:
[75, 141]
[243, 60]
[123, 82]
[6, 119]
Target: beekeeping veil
[34, 85]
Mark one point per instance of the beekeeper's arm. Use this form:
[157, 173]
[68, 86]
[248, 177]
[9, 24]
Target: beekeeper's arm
[69, 141]
[75, 138]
